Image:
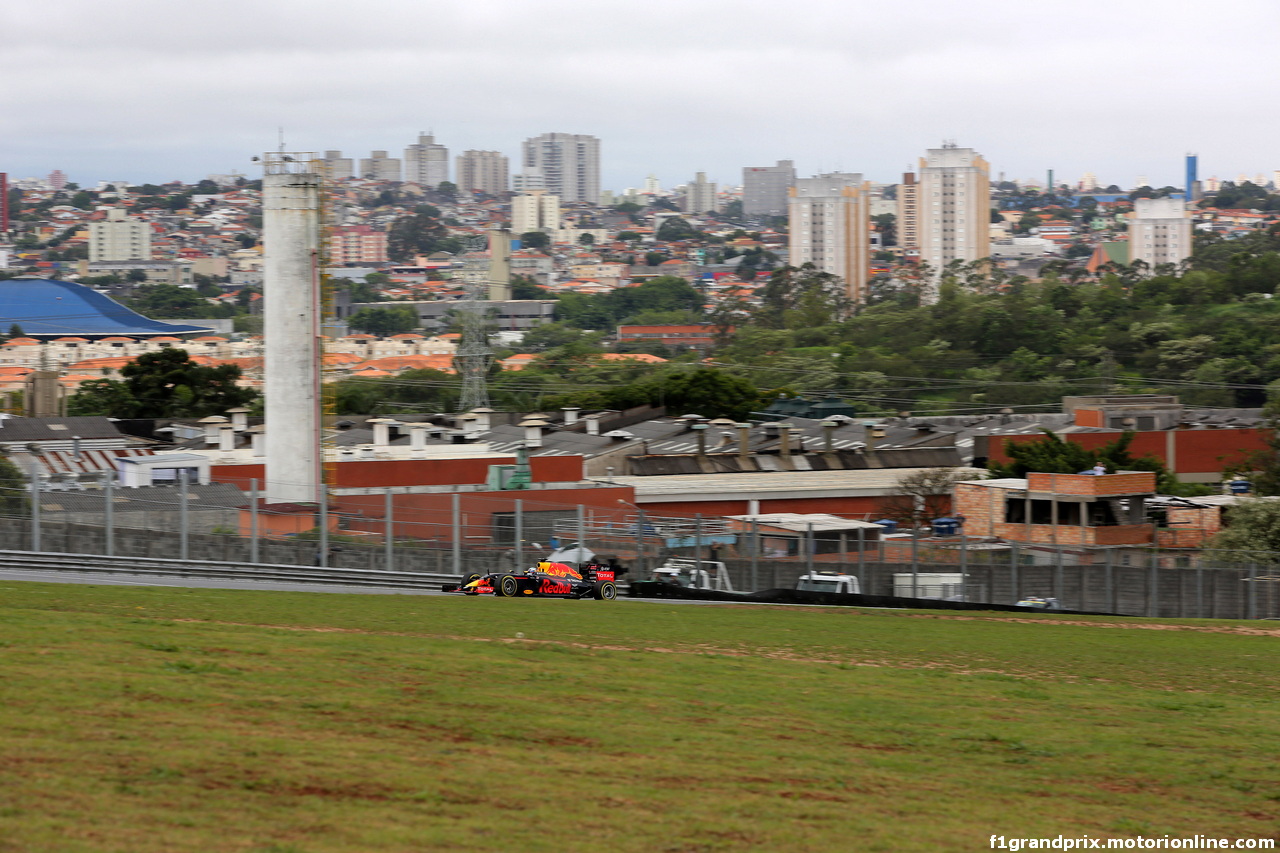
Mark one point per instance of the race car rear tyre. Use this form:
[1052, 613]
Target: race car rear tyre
[605, 591]
[507, 586]
[468, 579]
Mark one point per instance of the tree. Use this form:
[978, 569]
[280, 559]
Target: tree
[384, 322]
[163, 384]
[1252, 525]
[804, 296]
[167, 301]
[13, 490]
[886, 224]
[525, 287]
[922, 495]
[677, 228]
[535, 240]
[419, 234]
[587, 239]
[709, 392]
[1052, 455]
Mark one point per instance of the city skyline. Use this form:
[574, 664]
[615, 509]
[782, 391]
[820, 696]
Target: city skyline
[1117, 90]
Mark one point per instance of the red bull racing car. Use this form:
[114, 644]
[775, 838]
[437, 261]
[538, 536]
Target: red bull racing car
[547, 580]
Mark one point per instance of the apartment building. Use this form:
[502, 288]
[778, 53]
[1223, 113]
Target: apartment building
[569, 164]
[537, 210]
[830, 227]
[483, 171]
[379, 167]
[426, 162]
[357, 244]
[1159, 231]
[700, 195]
[119, 237]
[765, 188]
[954, 201]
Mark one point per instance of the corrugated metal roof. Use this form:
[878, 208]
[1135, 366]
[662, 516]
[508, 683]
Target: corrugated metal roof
[46, 309]
[704, 486]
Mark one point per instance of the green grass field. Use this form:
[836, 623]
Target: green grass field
[162, 719]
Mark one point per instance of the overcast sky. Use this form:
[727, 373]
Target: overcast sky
[144, 90]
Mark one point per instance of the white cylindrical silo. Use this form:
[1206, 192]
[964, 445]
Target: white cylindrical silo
[291, 327]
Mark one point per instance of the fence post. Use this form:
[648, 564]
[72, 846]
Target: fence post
[388, 516]
[915, 560]
[964, 566]
[1153, 591]
[1013, 573]
[518, 532]
[1199, 591]
[809, 547]
[641, 537]
[35, 510]
[108, 513]
[253, 521]
[1252, 597]
[862, 557]
[184, 539]
[456, 508]
[1109, 583]
[755, 555]
[1059, 587]
[324, 526]
[582, 532]
[697, 542]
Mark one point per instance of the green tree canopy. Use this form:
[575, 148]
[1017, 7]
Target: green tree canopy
[13, 490]
[1253, 525]
[168, 301]
[677, 228]
[163, 384]
[384, 322]
[420, 233]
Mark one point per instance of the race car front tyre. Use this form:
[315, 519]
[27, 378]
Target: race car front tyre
[508, 586]
[605, 591]
[468, 579]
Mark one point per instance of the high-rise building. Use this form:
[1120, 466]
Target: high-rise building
[955, 206]
[765, 188]
[1159, 231]
[483, 171]
[357, 244]
[569, 162]
[537, 210]
[337, 167]
[700, 195]
[908, 214]
[119, 237]
[830, 226]
[528, 180]
[426, 162]
[379, 167]
[57, 180]
[1193, 191]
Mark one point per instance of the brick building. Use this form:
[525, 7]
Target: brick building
[1059, 509]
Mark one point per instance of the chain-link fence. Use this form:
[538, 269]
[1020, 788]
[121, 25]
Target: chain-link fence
[460, 532]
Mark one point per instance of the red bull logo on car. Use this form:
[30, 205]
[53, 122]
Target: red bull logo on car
[563, 570]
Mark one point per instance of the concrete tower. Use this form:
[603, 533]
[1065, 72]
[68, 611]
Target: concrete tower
[291, 325]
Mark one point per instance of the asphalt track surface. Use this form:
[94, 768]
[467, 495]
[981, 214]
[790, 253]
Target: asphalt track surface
[101, 579]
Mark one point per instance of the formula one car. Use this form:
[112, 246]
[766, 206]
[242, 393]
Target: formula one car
[547, 579]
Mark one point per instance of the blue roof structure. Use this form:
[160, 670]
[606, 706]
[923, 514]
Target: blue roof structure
[49, 309]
